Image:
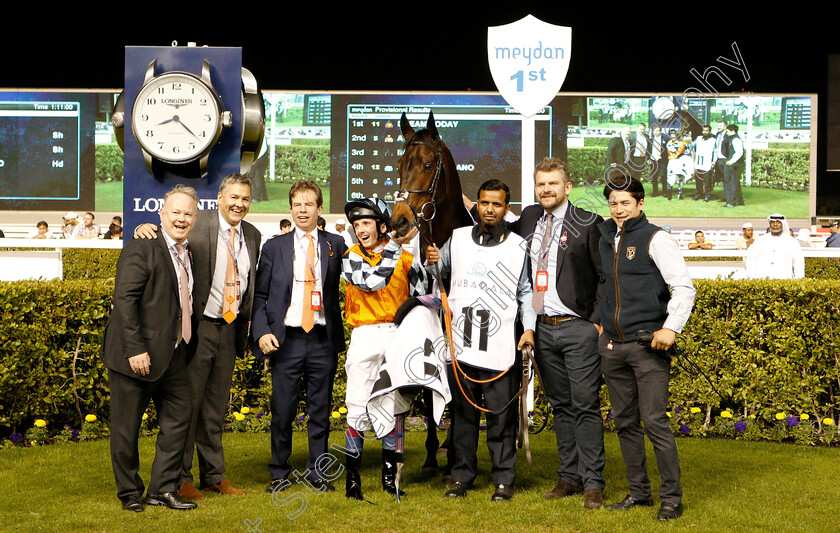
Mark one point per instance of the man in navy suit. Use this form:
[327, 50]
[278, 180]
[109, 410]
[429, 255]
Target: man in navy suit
[297, 326]
[565, 270]
[146, 347]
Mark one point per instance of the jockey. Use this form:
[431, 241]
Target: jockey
[380, 276]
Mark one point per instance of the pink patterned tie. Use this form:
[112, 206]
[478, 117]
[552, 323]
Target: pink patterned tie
[186, 308]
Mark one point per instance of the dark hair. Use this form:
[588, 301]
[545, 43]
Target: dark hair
[42, 223]
[306, 185]
[285, 223]
[321, 222]
[621, 182]
[118, 219]
[732, 127]
[495, 185]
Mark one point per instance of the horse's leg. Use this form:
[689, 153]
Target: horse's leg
[430, 467]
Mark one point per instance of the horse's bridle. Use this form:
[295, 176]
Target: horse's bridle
[402, 194]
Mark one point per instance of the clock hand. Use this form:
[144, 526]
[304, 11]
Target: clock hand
[185, 126]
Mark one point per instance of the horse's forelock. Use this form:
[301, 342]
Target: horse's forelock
[425, 138]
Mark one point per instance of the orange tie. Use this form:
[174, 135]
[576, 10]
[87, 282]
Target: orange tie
[229, 307]
[186, 308]
[307, 321]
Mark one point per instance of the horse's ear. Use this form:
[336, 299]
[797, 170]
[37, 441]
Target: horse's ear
[430, 125]
[405, 127]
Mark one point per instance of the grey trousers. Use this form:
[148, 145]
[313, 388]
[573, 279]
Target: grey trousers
[637, 381]
[570, 366]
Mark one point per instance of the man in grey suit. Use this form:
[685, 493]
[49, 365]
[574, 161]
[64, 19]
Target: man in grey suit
[224, 249]
[146, 348]
[565, 271]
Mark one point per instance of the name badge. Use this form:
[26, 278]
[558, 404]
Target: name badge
[316, 301]
[541, 281]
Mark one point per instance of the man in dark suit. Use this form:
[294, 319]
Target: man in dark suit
[618, 153]
[297, 326]
[224, 250]
[565, 270]
[145, 348]
[639, 150]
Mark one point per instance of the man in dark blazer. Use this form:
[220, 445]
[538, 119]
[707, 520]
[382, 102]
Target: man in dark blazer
[565, 270]
[639, 150]
[297, 326]
[221, 338]
[618, 152]
[145, 348]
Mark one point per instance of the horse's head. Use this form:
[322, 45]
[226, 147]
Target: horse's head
[421, 169]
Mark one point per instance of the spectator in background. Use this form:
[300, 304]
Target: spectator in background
[776, 255]
[70, 220]
[114, 232]
[699, 242]
[340, 226]
[746, 238]
[658, 161]
[42, 231]
[731, 150]
[833, 240]
[115, 221]
[322, 224]
[804, 238]
[285, 226]
[87, 229]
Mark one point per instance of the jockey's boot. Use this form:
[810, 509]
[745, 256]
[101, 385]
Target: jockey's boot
[389, 471]
[354, 479]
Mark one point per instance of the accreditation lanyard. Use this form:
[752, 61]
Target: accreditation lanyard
[541, 278]
[315, 301]
[234, 254]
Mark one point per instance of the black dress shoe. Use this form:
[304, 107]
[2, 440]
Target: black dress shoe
[503, 493]
[133, 503]
[669, 511]
[458, 490]
[628, 503]
[322, 485]
[277, 485]
[171, 500]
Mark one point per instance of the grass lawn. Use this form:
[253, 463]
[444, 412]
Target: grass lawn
[729, 486]
[758, 203]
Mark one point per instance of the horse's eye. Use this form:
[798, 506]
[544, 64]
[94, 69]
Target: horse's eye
[427, 166]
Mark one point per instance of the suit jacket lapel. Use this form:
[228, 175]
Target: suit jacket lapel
[324, 249]
[213, 236]
[167, 261]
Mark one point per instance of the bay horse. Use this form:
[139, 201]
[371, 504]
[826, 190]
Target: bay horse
[430, 199]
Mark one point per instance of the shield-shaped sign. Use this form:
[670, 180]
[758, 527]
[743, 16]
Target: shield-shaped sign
[631, 252]
[529, 60]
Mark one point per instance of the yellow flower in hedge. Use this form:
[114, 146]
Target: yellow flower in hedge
[804, 416]
[751, 417]
[726, 414]
[780, 416]
[145, 416]
[828, 421]
[336, 414]
[668, 414]
[245, 410]
[342, 410]
[40, 423]
[239, 416]
[695, 410]
[90, 418]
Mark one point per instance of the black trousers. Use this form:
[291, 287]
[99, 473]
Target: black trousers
[211, 372]
[309, 356]
[637, 381]
[129, 399]
[501, 428]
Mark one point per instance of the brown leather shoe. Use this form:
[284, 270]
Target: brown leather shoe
[187, 491]
[561, 490]
[593, 499]
[224, 487]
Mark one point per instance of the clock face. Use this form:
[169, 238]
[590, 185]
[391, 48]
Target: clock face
[176, 117]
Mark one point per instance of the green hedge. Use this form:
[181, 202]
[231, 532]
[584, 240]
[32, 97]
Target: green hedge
[109, 163]
[770, 345]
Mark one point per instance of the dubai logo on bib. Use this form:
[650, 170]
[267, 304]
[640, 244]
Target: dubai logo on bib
[529, 60]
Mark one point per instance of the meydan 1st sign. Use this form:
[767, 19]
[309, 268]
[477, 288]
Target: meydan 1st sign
[529, 60]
